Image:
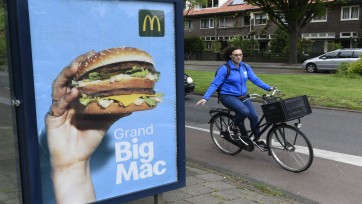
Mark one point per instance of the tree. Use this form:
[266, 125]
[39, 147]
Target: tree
[279, 43]
[291, 15]
[191, 4]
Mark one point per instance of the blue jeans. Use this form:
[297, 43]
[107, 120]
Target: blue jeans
[243, 110]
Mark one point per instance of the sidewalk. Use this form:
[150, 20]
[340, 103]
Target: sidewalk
[206, 185]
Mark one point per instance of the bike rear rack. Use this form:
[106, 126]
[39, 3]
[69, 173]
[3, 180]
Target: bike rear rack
[219, 110]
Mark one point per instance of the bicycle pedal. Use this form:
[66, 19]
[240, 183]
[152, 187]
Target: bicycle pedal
[263, 149]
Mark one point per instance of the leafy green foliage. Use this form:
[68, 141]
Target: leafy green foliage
[292, 15]
[216, 46]
[305, 45]
[248, 45]
[326, 90]
[279, 42]
[334, 46]
[342, 69]
[350, 69]
[194, 44]
[3, 53]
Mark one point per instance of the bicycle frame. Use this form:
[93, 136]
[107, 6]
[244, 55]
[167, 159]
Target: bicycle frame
[284, 141]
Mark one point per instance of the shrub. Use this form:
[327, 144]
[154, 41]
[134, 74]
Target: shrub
[355, 67]
[280, 42]
[193, 44]
[334, 46]
[248, 45]
[343, 68]
[350, 69]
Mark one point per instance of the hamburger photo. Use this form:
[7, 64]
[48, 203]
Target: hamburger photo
[117, 81]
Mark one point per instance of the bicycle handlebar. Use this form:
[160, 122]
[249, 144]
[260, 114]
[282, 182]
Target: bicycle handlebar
[265, 96]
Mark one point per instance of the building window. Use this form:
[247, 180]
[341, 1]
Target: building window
[260, 36]
[347, 34]
[281, 16]
[237, 2]
[350, 13]
[207, 23]
[320, 18]
[226, 22]
[188, 25]
[260, 19]
[208, 38]
[247, 20]
[225, 38]
[209, 3]
[318, 35]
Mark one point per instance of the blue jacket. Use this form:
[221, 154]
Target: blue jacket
[235, 83]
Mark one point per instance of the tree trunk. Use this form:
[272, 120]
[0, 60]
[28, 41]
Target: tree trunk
[293, 52]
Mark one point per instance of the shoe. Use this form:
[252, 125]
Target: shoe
[261, 144]
[233, 131]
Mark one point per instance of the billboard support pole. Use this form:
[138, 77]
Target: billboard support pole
[158, 198]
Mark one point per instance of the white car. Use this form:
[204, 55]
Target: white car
[331, 60]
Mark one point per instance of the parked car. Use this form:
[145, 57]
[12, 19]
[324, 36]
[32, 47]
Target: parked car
[189, 84]
[331, 60]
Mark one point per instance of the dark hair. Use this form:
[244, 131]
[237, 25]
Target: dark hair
[227, 52]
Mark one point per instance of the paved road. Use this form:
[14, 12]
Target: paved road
[327, 181]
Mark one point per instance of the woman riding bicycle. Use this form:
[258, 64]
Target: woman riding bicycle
[233, 91]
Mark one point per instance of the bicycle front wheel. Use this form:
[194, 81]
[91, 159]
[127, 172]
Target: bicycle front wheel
[220, 135]
[290, 148]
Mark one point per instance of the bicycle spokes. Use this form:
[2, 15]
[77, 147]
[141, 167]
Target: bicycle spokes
[290, 148]
[220, 135]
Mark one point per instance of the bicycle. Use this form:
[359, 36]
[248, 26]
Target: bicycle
[189, 56]
[287, 144]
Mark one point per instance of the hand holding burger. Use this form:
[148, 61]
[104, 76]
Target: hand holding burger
[110, 84]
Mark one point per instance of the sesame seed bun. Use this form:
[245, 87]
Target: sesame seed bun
[111, 56]
[108, 65]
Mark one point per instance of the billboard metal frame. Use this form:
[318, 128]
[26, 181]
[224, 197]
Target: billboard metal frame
[22, 89]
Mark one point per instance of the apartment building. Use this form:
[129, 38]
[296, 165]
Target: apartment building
[225, 19]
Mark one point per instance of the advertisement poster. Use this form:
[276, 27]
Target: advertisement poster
[119, 136]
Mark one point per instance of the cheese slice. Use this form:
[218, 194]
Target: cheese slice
[126, 100]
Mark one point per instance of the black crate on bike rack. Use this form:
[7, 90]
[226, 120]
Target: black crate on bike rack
[286, 109]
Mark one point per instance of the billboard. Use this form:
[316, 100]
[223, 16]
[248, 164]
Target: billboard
[104, 82]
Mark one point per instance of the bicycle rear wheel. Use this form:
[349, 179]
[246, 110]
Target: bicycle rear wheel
[290, 148]
[220, 135]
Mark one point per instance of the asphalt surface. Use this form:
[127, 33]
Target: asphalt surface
[331, 178]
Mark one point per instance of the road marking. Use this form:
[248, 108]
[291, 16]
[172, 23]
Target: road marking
[334, 156]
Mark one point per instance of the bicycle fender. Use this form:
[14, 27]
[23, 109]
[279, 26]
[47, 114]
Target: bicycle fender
[217, 114]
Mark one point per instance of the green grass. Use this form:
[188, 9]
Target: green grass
[326, 90]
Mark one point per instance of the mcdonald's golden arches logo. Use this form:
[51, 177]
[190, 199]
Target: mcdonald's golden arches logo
[151, 23]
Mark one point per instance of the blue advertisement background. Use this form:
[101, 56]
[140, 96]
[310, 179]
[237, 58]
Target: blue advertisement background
[61, 31]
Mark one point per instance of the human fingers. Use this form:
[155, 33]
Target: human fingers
[60, 84]
[59, 107]
[273, 88]
[202, 101]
